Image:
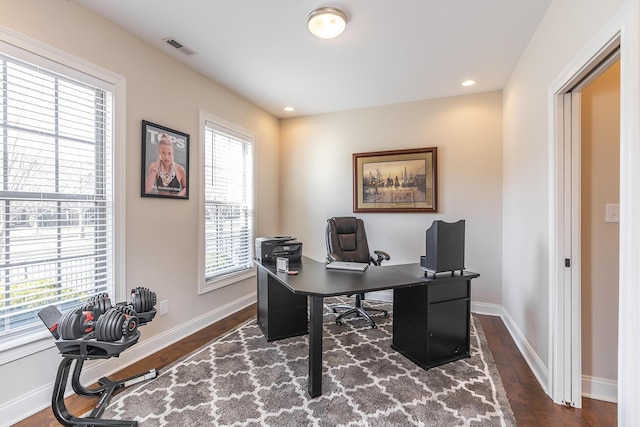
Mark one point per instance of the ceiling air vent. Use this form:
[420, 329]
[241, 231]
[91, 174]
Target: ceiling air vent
[182, 48]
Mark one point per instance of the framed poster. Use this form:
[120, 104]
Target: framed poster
[165, 162]
[395, 181]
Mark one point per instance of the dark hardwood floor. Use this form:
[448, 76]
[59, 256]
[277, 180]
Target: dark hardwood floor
[531, 406]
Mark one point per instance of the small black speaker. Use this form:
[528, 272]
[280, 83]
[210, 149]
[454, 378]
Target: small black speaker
[444, 247]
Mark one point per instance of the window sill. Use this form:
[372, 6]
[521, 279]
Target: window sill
[225, 281]
[25, 346]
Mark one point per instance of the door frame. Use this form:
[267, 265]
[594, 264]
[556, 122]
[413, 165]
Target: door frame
[564, 380]
[568, 320]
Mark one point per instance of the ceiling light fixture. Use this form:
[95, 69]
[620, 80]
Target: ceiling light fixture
[469, 82]
[288, 109]
[327, 22]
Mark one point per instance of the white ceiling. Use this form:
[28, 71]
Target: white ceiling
[391, 51]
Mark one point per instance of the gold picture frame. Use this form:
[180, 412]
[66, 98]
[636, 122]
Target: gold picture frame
[396, 181]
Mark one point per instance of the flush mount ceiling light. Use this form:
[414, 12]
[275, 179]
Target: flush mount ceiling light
[327, 22]
[469, 82]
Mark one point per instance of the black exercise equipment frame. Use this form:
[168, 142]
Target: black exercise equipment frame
[79, 351]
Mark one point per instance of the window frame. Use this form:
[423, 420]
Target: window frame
[23, 48]
[205, 285]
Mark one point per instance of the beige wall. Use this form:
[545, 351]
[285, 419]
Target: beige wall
[600, 153]
[161, 235]
[493, 169]
[317, 181]
[568, 28]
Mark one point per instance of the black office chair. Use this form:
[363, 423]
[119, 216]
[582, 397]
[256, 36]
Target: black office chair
[347, 242]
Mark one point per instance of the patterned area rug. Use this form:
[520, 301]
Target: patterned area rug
[242, 380]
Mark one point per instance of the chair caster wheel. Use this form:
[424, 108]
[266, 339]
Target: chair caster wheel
[338, 322]
[386, 315]
[374, 326]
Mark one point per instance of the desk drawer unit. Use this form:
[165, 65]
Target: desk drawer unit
[431, 322]
[281, 313]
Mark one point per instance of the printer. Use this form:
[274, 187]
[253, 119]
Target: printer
[268, 249]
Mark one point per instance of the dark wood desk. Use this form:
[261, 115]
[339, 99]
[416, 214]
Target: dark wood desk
[431, 323]
[282, 307]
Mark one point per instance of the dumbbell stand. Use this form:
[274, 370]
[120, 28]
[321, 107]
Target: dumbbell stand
[88, 350]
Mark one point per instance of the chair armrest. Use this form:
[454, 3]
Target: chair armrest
[382, 256]
[332, 257]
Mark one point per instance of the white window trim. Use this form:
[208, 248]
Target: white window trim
[16, 44]
[205, 285]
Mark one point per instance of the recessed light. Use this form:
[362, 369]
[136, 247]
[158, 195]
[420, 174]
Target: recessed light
[289, 109]
[469, 82]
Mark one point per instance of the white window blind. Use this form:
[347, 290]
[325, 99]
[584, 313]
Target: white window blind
[228, 207]
[56, 216]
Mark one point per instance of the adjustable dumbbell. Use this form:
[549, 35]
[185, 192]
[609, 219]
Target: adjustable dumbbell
[142, 299]
[114, 324]
[76, 323]
[101, 303]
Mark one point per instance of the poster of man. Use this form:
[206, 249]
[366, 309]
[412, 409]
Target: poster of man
[165, 162]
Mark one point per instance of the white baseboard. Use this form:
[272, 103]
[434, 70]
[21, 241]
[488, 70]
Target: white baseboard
[476, 307]
[39, 399]
[592, 388]
[530, 356]
[486, 308]
[599, 389]
[386, 295]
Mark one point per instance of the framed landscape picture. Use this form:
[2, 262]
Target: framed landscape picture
[395, 181]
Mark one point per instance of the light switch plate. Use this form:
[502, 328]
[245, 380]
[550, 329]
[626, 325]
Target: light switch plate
[612, 212]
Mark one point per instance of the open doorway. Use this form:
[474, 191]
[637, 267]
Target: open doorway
[566, 377]
[600, 233]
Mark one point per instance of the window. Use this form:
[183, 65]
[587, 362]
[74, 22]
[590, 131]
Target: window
[227, 246]
[56, 192]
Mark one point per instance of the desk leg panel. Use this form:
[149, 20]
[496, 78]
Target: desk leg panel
[431, 322]
[315, 346]
[410, 323]
[281, 313]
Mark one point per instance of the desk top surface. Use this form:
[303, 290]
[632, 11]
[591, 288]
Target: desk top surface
[314, 279]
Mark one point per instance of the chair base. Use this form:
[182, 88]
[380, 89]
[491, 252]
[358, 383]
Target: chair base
[360, 312]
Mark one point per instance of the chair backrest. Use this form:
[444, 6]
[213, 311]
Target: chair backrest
[347, 240]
